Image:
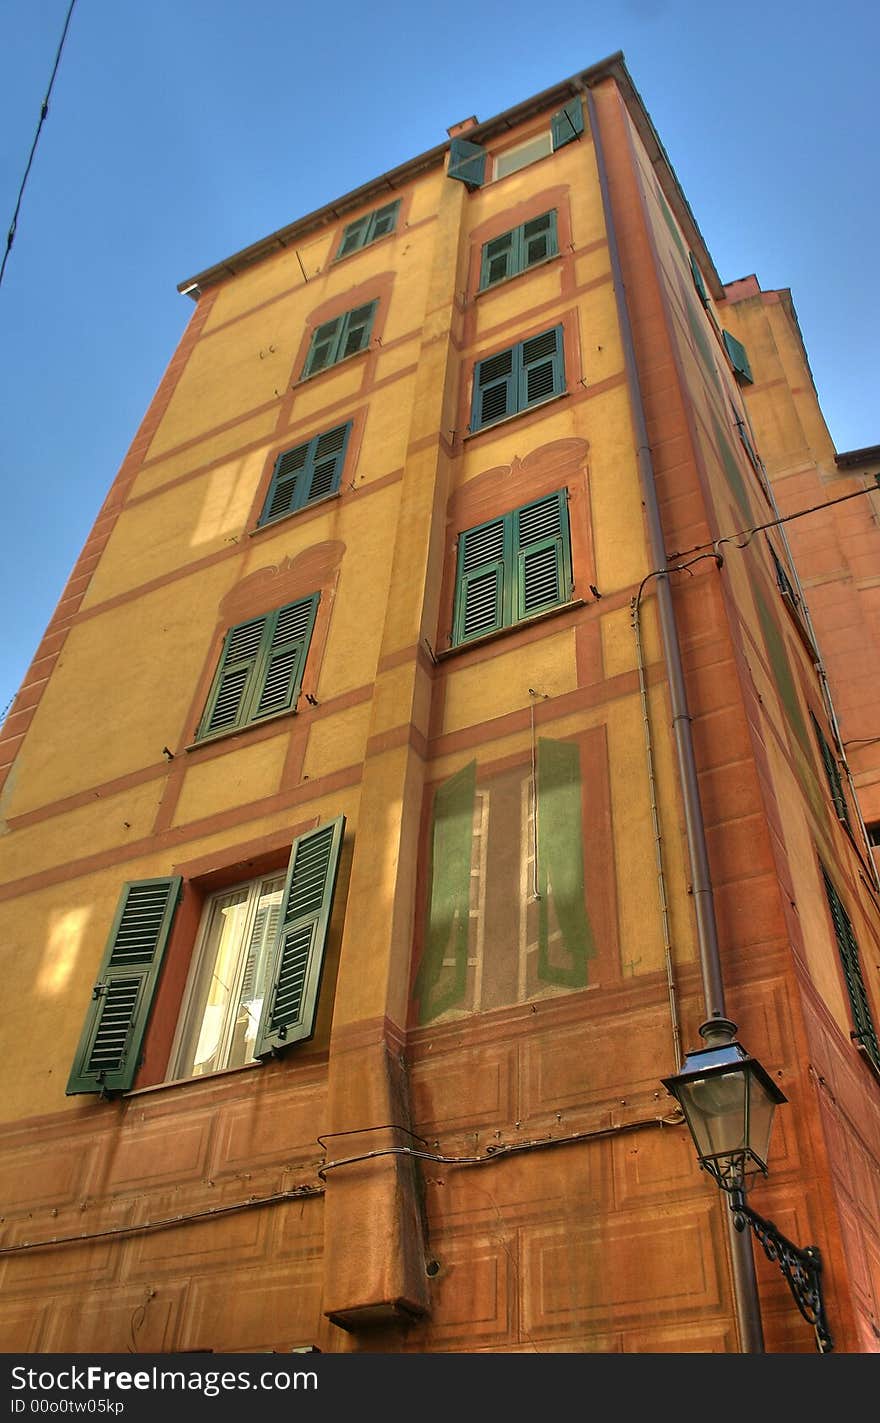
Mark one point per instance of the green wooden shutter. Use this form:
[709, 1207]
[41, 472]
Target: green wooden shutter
[865, 1032]
[322, 352]
[108, 1054]
[832, 773]
[285, 647]
[354, 236]
[285, 489]
[495, 390]
[326, 468]
[538, 240]
[698, 280]
[357, 325]
[543, 559]
[567, 123]
[291, 1005]
[499, 259]
[226, 705]
[383, 221]
[483, 556]
[467, 163]
[738, 358]
[541, 372]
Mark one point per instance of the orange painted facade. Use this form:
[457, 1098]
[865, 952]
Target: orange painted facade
[471, 1148]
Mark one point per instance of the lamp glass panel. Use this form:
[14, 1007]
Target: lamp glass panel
[761, 1109]
[715, 1109]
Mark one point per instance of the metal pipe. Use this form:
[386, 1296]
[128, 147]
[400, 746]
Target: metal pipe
[745, 1290]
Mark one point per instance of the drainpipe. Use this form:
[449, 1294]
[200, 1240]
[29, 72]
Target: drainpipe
[748, 1310]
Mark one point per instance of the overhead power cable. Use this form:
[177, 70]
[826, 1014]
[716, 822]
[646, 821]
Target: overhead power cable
[44, 109]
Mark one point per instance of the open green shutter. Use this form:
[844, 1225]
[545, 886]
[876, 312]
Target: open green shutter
[291, 1005]
[698, 280]
[479, 594]
[567, 123]
[738, 358]
[286, 644]
[541, 542]
[232, 687]
[467, 163]
[865, 1032]
[109, 1048]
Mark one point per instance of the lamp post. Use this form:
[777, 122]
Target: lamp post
[728, 1100]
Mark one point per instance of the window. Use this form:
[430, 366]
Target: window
[512, 381]
[365, 230]
[468, 160]
[865, 1033]
[783, 582]
[832, 773]
[518, 249]
[255, 975]
[260, 669]
[344, 336]
[305, 474]
[874, 835]
[512, 568]
[738, 358]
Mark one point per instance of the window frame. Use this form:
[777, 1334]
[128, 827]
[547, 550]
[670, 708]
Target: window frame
[369, 223]
[832, 775]
[865, 1033]
[516, 379]
[257, 666]
[302, 477]
[518, 244]
[338, 332]
[511, 602]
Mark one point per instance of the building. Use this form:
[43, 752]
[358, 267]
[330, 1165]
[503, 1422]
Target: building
[431, 737]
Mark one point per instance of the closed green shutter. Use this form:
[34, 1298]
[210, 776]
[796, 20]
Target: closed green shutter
[344, 336]
[541, 372]
[567, 123]
[832, 774]
[467, 163]
[108, 1054]
[512, 568]
[226, 705]
[543, 561]
[367, 229]
[515, 251]
[495, 390]
[865, 1032]
[698, 280]
[383, 221]
[480, 586]
[354, 236]
[305, 473]
[738, 358]
[261, 668]
[290, 1008]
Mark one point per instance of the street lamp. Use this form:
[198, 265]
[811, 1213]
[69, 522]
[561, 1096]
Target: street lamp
[728, 1100]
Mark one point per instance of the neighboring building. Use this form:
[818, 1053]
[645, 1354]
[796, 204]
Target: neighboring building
[431, 736]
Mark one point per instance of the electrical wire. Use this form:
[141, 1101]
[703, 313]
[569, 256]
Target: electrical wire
[44, 110]
[748, 534]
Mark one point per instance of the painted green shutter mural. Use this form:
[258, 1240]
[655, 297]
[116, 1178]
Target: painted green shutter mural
[865, 1032]
[567, 123]
[561, 866]
[738, 358]
[305, 473]
[260, 669]
[443, 970]
[108, 1054]
[294, 975]
[467, 163]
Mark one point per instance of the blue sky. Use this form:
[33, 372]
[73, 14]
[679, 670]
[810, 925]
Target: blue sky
[180, 131]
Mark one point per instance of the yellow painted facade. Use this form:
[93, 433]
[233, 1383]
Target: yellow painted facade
[511, 955]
